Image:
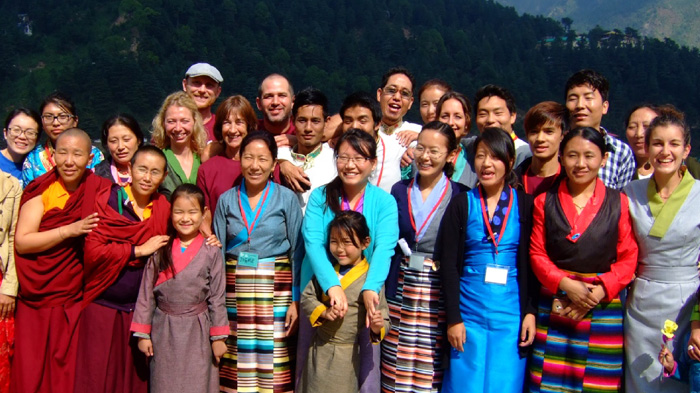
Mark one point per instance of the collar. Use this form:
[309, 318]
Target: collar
[390, 129]
[308, 159]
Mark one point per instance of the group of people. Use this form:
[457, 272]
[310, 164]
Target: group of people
[355, 252]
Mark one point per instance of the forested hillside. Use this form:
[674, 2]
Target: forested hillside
[128, 55]
[655, 18]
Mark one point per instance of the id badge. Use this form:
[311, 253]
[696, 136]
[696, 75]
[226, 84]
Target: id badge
[416, 261]
[248, 259]
[496, 274]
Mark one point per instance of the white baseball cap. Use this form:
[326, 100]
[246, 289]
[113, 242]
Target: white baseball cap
[204, 69]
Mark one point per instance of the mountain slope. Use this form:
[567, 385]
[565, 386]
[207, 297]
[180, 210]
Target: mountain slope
[675, 19]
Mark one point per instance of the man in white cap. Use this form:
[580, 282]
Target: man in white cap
[203, 83]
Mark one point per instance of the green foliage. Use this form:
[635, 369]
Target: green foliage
[127, 55]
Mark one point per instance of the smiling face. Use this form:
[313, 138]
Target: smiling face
[452, 113]
[582, 160]
[203, 90]
[490, 170]
[493, 112]
[56, 119]
[431, 153]
[122, 143]
[353, 168]
[233, 130]
[257, 163]
[636, 127]
[586, 106]
[147, 173]
[309, 123]
[72, 155]
[343, 249]
[667, 149]
[395, 98]
[544, 142]
[21, 134]
[276, 100]
[187, 217]
[179, 125]
[428, 103]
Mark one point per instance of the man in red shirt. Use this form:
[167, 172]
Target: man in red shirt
[203, 83]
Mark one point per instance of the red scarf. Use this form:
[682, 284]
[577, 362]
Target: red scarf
[108, 247]
[55, 277]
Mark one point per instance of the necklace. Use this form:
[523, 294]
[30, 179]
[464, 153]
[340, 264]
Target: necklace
[579, 206]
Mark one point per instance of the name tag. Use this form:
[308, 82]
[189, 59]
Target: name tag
[496, 274]
[416, 261]
[248, 259]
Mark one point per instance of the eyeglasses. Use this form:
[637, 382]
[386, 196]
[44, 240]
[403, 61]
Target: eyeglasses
[434, 154]
[392, 90]
[30, 133]
[63, 118]
[357, 160]
[142, 171]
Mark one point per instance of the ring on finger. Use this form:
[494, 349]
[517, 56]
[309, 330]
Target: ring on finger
[690, 347]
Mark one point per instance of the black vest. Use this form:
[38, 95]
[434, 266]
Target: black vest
[596, 249]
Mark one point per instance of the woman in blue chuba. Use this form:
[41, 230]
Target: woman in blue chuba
[490, 291]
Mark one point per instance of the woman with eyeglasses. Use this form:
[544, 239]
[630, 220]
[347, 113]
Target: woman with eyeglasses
[356, 158]
[58, 113]
[21, 133]
[412, 350]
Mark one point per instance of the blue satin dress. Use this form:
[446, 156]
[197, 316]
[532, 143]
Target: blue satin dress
[490, 311]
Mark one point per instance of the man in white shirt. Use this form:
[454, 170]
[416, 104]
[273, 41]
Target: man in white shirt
[310, 160]
[395, 99]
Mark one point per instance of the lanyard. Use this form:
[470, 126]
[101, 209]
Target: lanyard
[381, 171]
[251, 227]
[427, 219]
[49, 155]
[454, 160]
[526, 176]
[484, 212]
[346, 203]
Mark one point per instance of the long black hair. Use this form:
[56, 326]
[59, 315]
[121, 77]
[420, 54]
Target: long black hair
[366, 146]
[164, 260]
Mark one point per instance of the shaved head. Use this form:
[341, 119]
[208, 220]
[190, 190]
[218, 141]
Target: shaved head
[76, 133]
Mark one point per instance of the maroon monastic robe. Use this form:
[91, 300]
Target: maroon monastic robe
[51, 288]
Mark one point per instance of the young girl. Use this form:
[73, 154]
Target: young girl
[180, 316]
[687, 368]
[333, 358]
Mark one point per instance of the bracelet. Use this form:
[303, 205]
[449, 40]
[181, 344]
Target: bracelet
[60, 234]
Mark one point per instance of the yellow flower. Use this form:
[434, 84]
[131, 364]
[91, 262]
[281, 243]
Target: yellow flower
[669, 328]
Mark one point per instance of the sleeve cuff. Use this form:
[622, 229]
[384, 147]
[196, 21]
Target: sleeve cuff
[695, 314]
[316, 315]
[140, 328]
[218, 330]
[673, 372]
[377, 338]
[296, 295]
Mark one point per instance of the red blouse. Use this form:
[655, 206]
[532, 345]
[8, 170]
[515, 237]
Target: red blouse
[621, 271]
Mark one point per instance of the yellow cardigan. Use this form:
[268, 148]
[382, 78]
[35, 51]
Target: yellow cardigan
[10, 194]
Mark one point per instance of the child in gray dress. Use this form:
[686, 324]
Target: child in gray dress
[334, 355]
[180, 316]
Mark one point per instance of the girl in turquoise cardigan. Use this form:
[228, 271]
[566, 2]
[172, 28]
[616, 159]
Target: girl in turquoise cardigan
[356, 158]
